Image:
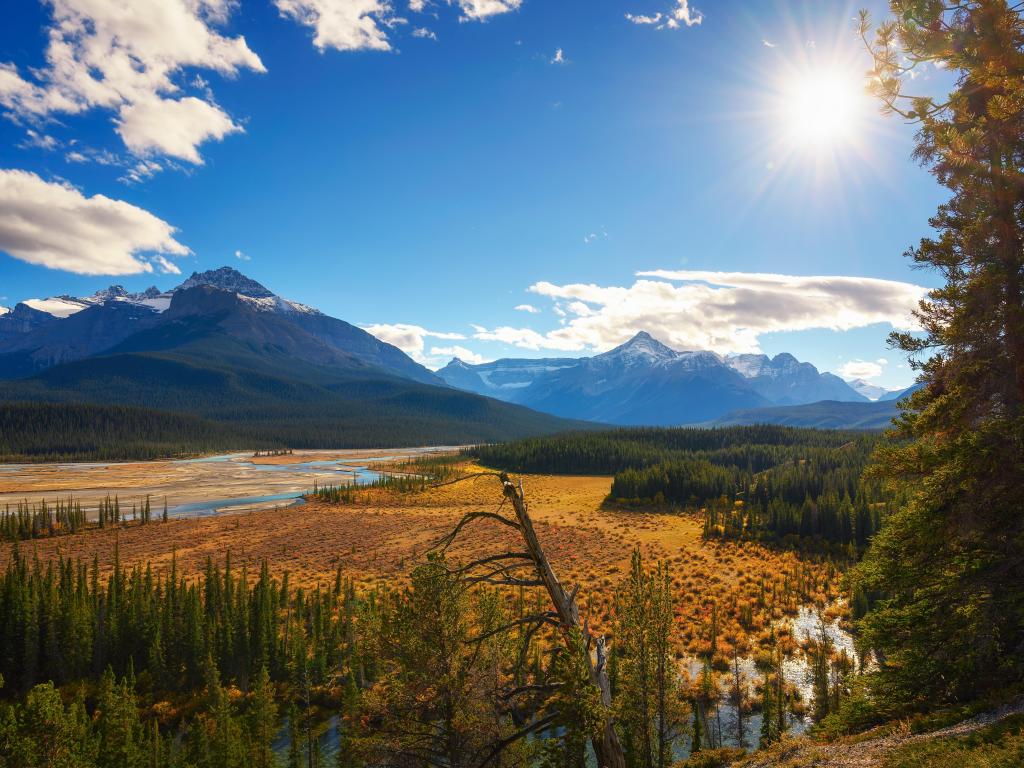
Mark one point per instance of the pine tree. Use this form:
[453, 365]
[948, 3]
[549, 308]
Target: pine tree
[950, 562]
[262, 722]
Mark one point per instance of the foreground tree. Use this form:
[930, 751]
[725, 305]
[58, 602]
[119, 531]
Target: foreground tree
[584, 686]
[651, 710]
[950, 563]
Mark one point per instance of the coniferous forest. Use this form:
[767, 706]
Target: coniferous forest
[763, 482]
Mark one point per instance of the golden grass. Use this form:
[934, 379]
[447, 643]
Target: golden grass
[379, 539]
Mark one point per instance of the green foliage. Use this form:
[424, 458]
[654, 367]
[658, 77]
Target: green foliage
[32, 432]
[949, 564]
[651, 712]
[762, 482]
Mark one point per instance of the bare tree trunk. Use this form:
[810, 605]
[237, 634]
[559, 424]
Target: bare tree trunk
[606, 746]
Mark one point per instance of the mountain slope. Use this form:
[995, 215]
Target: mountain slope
[225, 348]
[47, 332]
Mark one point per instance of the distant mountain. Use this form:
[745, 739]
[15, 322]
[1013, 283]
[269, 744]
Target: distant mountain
[901, 393]
[40, 333]
[829, 414]
[222, 346]
[786, 381]
[869, 390]
[645, 382]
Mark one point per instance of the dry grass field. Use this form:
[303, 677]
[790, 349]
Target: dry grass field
[380, 537]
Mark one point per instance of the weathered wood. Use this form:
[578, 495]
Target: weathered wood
[606, 746]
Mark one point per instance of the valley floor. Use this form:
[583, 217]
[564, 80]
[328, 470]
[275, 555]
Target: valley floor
[377, 539]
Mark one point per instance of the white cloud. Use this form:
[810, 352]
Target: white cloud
[54, 225]
[860, 369]
[417, 6]
[559, 57]
[768, 44]
[527, 308]
[477, 10]
[345, 25]
[443, 354]
[173, 127]
[166, 266]
[719, 311]
[424, 33]
[242, 256]
[129, 58]
[409, 338]
[680, 14]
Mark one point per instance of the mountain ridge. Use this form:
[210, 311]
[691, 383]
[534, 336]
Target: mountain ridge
[644, 381]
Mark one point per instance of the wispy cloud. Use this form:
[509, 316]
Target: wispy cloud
[527, 308]
[242, 256]
[559, 57]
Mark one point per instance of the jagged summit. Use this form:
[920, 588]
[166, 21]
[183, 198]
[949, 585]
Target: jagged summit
[227, 279]
[642, 347]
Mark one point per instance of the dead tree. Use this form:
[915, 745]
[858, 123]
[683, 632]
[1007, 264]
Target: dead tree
[531, 568]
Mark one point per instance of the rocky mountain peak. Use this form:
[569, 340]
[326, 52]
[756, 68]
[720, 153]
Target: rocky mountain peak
[227, 279]
[641, 348]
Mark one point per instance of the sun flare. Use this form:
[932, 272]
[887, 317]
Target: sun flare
[822, 108]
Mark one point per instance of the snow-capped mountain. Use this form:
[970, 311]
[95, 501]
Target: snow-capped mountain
[40, 333]
[784, 380]
[646, 382]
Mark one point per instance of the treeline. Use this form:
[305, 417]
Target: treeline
[93, 662]
[817, 493]
[33, 521]
[31, 432]
[65, 516]
[604, 453]
[765, 482]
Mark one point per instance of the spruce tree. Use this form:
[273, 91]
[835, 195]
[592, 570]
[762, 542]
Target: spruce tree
[950, 562]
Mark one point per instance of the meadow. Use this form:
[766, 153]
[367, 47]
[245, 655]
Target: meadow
[733, 594]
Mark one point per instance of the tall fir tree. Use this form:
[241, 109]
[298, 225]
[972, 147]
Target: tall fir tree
[950, 563]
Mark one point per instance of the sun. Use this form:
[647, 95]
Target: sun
[822, 108]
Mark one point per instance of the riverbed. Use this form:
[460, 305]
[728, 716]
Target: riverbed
[198, 487]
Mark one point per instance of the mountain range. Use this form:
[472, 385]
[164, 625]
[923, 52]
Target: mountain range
[224, 347]
[645, 382]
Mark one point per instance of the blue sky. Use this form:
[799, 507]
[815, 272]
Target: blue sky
[426, 183]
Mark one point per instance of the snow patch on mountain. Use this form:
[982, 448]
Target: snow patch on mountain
[57, 306]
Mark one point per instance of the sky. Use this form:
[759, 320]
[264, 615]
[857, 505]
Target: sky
[481, 178]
